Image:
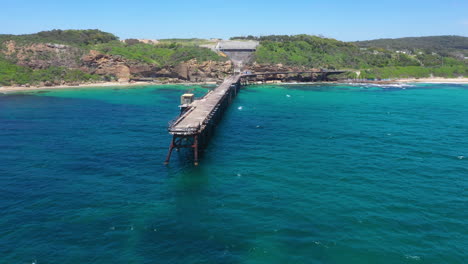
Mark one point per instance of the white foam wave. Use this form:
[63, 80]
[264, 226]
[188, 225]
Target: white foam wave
[413, 257]
[240, 108]
[384, 86]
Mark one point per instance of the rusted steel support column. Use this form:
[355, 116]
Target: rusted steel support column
[195, 150]
[171, 147]
[204, 138]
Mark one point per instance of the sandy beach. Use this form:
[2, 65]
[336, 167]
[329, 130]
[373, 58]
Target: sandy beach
[433, 80]
[10, 89]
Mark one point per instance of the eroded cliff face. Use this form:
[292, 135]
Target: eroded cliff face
[283, 73]
[43, 55]
[103, 64]
[195, 71]
[259, 68]
[192, 70]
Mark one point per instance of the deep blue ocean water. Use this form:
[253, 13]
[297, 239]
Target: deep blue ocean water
[294, 174]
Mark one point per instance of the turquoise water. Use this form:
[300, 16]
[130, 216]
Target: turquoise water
[294, 174]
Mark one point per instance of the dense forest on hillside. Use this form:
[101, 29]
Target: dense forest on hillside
[69, 37]
[375, 61]
[313, 51]
[443, 45]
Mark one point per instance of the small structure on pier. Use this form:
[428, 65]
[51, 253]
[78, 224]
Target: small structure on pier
[187, 99]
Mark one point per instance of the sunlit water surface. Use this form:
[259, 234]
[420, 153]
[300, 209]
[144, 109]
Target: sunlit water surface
[294, 174]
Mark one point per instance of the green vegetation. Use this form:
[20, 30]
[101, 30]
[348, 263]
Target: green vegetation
[189, 42]
[442, 56]
[415, 72]
[12, 74]
[374, 61]
[443, 45]
[166, 53]
[69, 37]
[313, 51]
[161, 54]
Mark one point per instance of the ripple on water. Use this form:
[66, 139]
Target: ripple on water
[295, 173]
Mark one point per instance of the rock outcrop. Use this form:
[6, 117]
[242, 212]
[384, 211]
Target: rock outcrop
[191, 71]
[103, 64]
[43, 55]
[282, 73]
[278, 68]
[194, 71]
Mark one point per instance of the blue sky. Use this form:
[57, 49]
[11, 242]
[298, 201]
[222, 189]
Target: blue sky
[340, 19]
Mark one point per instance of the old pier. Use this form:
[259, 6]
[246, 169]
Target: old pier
[193, 128]
[198, 118]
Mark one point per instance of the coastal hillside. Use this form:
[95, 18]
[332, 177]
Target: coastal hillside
[319, 52]
[455, 46]
[69, 37]
[443, 56]
[73, 57]
[371, 61]
[78, 56]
